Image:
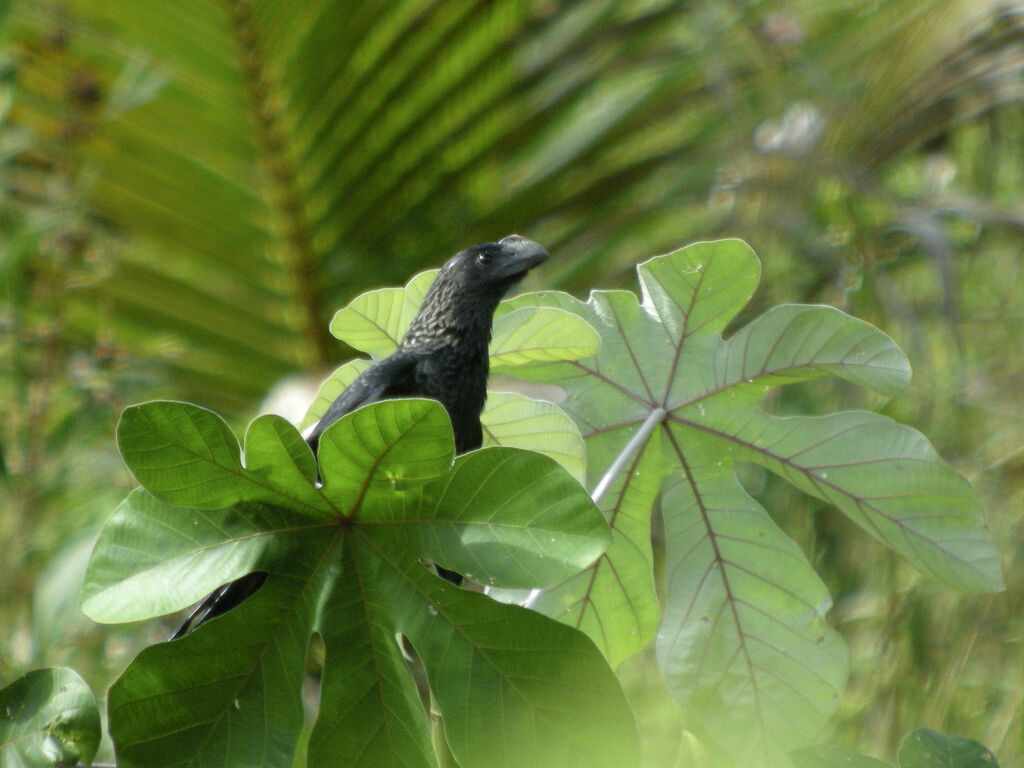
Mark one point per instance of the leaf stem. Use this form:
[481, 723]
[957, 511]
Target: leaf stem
[654, 418]
[635, 444]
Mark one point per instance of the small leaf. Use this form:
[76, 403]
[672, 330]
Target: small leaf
[48, 718]
[925, 748]
[520, 422]
[473, 520]
[279, 461]
[746, 606]
[793, 342]
[154, 558]
[187, 455]
[274, 449]
[375, 322]
[182, 453]
[416, 289]
[695, 291]
[407, 443]
[537, 334]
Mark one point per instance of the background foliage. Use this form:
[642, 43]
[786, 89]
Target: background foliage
[188, 191]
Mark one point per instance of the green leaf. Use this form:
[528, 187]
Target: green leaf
[754, 612]
[794, 342]
[620, 583]
[503, 546]
[153, 558]
[823, 756]
[157, 440]
[530, 334]
[925, 748]
[375, 322]
[743, 642]
[274, 449]
[229, 694]
[385, 449]
[509, 672]
[229, 691]
[888, 479]
[184, 454]
[459, 637]
[520, 422]
[370, 709]
[48, 718]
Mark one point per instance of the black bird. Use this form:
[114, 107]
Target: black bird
[442, 356]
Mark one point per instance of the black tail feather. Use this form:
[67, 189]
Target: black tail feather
[222, 600]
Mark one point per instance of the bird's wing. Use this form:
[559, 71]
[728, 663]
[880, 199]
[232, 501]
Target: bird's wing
[390, 377]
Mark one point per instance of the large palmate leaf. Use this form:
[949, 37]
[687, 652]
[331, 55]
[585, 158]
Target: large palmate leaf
[666, 407]
[376, 321]
[344, 559]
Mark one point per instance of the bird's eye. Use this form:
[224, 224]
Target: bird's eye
[483, 257]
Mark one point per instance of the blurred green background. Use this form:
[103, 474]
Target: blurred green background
[189, 189]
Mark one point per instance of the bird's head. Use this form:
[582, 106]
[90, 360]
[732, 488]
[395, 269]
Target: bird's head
[493, 268]
[461, 301]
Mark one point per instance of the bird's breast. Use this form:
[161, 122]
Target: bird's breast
[459, 383]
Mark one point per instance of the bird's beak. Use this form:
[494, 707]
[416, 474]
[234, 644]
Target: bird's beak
[523, 255]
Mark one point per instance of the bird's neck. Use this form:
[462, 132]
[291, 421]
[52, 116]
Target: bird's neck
[450, 345]
[465, 329]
